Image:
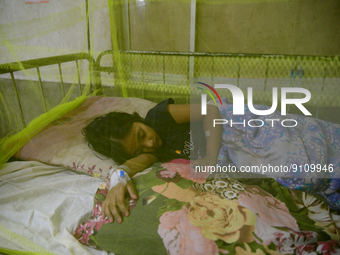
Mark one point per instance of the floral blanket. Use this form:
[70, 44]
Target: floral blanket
[304, 150]
[176, 214]
[296, 211]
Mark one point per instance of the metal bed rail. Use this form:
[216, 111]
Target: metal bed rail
[169, 73]
[215, 65]
[13, 67]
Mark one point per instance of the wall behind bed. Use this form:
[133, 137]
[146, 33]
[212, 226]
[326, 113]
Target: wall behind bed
[30, 31]
[301, 27]
[58, 27]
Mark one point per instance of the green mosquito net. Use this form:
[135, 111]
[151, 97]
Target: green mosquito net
[155, 49]
[158, 49]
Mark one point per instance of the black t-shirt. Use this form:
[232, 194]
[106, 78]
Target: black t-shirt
[178, 140]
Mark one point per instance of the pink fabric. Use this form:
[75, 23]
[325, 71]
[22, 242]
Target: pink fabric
[183, 168]
[61, 143]
[67, 130]
[181, 237]
[271, 210]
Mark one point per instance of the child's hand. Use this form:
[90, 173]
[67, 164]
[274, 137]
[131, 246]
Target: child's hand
[115, 200]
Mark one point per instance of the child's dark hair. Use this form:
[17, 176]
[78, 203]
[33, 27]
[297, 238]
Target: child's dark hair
[104, 134]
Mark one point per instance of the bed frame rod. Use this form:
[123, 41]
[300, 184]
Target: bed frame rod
[40, 62]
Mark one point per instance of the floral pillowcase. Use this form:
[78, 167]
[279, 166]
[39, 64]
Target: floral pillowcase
[176, 214]
[61, 143]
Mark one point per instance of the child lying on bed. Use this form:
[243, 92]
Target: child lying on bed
[169, 131]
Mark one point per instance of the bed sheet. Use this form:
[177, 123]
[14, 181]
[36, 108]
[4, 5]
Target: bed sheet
[179, 213]
[306, 155]
[41, 205]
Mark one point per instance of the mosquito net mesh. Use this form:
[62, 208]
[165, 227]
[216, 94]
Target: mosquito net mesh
[155, 49]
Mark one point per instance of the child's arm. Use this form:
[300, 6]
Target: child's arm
[114, 204]
[186, 113]
[114, 201]
[139, 163]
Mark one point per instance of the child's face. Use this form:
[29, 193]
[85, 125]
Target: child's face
[141, 139]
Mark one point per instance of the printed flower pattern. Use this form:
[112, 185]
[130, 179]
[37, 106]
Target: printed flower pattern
[270, 213]
[168, 176]
[265, 218]
[90, 227]
[83, 232]
[312, 141]
[181, 237]
[319, 212]
[182, 167]
[247, 251]
[220, 218]
[91, 170]
[287, 242]
[271, 210]
[228, 188]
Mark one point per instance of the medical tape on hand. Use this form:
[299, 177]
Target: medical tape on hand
[119, 176]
